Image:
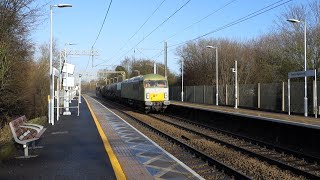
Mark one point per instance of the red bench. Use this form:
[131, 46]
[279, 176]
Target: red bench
[24, 133]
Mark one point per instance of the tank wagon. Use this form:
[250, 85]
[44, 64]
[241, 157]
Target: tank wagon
[150, 92]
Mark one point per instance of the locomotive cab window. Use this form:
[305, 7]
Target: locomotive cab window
[148, 84]
[161, 84]
[151, 84]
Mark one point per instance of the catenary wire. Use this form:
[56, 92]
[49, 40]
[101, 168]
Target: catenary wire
[156, 28]
[157, 8]
[104, 20]
[143, 23]
[215, 11]
[254, 14]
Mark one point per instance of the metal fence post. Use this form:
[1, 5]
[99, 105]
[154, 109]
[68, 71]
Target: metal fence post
[226, 94]
[204, 94]
[288, 96]
[259, 96]
[283, 96]
[315, 94]
[194, 94]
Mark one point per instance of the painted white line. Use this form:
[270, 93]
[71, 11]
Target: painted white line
[60, 132]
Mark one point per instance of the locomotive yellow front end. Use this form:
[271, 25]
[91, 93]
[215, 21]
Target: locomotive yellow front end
[156, 93]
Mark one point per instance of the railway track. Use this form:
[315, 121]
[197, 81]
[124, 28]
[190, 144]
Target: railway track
[295, 162]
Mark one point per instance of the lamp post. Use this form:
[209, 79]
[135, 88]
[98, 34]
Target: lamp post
[51, 102]
[217, 73]
[182, 61]
[305, 64]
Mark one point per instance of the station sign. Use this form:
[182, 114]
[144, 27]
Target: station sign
[301, 74]
[68, 82]
[68, 68]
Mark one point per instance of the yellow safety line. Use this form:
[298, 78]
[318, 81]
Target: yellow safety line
[113, 159]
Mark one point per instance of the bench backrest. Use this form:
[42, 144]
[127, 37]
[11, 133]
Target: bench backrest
[21, 133]
[24, 118]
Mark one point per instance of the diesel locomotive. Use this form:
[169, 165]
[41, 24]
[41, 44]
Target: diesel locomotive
[149, 92]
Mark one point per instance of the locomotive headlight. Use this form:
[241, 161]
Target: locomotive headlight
[147, 95]
[165, 95]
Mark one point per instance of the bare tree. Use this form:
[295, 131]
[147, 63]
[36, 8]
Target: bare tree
[17, 18]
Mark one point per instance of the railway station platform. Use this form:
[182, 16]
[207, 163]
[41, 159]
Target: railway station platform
[138, 156]
[309, 122]
[95, 145]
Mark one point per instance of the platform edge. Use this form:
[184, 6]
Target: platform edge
[113, 158]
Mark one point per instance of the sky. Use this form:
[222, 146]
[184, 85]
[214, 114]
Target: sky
[81, 24]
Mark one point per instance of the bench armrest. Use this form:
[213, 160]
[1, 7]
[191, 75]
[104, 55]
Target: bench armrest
[31, 127]
[36, 125]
